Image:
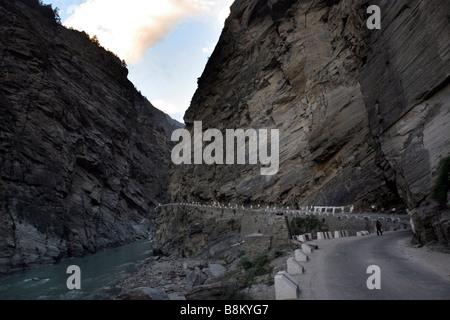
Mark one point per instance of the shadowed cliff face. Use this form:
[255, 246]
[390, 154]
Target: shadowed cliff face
[363, 115]
[292, 66]
[406, 87]
[83, 156]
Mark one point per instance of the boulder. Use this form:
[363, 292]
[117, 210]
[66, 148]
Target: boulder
[215, 270]
[195, 278]
[208, 291]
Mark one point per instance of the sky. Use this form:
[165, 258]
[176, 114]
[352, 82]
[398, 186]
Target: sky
[166, 43]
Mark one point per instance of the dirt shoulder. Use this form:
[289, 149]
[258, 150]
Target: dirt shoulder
[434, 257]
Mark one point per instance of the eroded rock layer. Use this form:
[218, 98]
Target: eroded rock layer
[406, 88]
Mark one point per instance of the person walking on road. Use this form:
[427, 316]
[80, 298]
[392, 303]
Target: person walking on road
[379, 231]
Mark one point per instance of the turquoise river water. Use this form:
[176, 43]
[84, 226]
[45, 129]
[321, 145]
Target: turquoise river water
[99, 274]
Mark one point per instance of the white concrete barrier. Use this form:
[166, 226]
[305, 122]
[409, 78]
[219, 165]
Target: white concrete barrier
[300, 256]
[294, 267]
[337, 234]
[302, 238]
[330, 235]
[286, 288]
[306, 248]
[320, 235]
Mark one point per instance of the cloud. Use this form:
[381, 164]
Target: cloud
[208, 50]
[129, 28]
[167, 107]
[224, 12]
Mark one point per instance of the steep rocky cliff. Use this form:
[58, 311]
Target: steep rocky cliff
[363, 114]
[84, 157]
[292, 66]
[406, 90]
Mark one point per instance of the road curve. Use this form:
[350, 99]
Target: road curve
[340, 272]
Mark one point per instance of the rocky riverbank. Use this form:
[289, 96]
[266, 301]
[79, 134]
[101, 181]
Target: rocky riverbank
[229, 278]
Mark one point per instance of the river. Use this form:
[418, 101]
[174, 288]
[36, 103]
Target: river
[99, 274]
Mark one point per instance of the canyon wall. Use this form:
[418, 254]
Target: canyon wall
[406, 91]
[362, 114]
[292, 66]
[84, 157]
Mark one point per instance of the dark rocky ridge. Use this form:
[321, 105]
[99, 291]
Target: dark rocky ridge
[363, 115]
[84, 157]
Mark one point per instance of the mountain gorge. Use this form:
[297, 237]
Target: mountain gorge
[363, 116]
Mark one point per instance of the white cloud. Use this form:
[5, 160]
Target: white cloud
[129, 28]
[167, 107]
[208, 50]
[224, 12]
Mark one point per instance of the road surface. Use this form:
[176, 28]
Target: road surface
[338, 271]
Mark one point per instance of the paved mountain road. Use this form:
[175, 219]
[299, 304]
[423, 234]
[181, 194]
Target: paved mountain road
[338, 271]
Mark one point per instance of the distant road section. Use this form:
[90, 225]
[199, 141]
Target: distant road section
[338, 270]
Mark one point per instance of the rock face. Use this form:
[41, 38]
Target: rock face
[292, 66]
[363, 115]
[406, 88]
[83, 156]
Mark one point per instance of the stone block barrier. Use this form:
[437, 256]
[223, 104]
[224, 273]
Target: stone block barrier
[301, 256]
[306, 248]
[331, 235]
[294, 267]
[286, 287]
